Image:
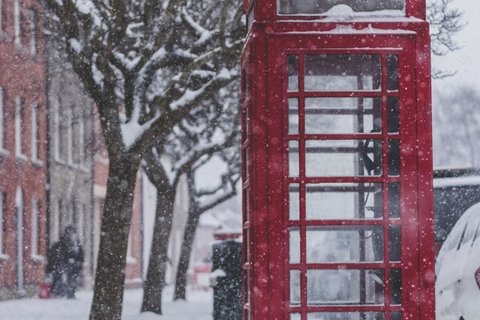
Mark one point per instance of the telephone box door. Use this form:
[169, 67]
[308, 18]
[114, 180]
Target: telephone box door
[348, 202]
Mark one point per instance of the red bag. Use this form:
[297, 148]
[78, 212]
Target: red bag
[45, 290]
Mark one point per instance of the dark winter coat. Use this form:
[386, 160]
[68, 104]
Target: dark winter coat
[65, 253]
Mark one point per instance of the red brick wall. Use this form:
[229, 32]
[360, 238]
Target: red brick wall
[22, 74]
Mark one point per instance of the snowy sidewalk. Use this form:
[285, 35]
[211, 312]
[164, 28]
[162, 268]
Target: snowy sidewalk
[198, 307]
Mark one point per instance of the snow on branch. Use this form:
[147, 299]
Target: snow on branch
[87, 7]
[128, 63]
[132, 130]
[190, 96]
[204, 34]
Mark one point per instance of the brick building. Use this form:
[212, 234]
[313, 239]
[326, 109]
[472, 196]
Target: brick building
[53, 162]
[23, 170]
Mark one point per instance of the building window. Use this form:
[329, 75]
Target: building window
[35, 228]
[19, 121]
[19, 232]
[81, 139]
[130, 257]
[17, 23]
[33, 32]
[56, 221]
[80, 224]
[72, 212]
[2, 17]
[58, 131]
[3, 209]
[70, 125]
[2, 117]
[35, 132]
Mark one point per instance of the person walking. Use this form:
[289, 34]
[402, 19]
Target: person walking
[72, 260]
[65, 261]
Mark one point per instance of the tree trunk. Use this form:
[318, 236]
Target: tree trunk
[185, 253]
[157, 266]
[117, 213]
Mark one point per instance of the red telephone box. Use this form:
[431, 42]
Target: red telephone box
[337, 188]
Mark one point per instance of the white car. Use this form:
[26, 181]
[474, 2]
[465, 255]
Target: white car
[458, 270]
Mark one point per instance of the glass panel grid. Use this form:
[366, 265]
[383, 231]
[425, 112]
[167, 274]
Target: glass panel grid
[337, 201]
[384, 199]
[345, 287]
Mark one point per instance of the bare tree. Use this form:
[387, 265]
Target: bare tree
[200, 201]
[208, 130]
[456, 130]
[137, 61]
[445, 22]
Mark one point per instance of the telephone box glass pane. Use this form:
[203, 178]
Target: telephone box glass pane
[342, 72]
[311, 7]
[295, 316]
[295, 297]
[293, 158]
[292, 73]
[344, 201]
[344, 244]
[294, 245]
[393, 116]
[396, 286]
[394, 199]
[342, 115]
[294, 201]
[392, 72]
[396, 316]
[393, 157]
[395, 243]
[326, 158]
[346, 316]
[343, 287]
[293, 116]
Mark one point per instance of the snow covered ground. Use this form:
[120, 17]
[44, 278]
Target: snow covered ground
[198, 307]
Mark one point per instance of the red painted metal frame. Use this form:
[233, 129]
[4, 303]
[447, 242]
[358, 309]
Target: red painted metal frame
[264, 145]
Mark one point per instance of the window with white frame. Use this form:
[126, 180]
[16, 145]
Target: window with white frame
[2, 19]
[2, 117]
[70, 124]
[56, 221]
[130, 256]
[58, 131]
[19, 121]
[33, 33]
[35, 134]
[81, 139]
[71, 212]
[1, 16]
[17, 23]
[35, 239]
[3, 209]
[75, 129]
[80, 223]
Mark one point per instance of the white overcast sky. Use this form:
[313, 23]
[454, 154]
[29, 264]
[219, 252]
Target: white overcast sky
[466, 60]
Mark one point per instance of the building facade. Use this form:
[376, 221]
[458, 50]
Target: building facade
[23, 160]
[70, 153]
